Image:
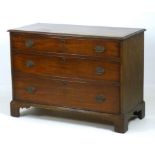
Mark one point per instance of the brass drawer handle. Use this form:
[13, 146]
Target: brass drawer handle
[99, 49]
[30, 63]
[63, 59]
[100, 98]
[65, 83]
[100, 70]
[29, 43]
[31, 90]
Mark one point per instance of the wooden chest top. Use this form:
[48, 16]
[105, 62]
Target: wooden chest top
[78, 30]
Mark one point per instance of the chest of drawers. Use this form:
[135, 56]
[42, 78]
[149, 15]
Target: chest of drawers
[82, 72]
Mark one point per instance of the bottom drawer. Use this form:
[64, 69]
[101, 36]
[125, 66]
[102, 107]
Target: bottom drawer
[72, 94]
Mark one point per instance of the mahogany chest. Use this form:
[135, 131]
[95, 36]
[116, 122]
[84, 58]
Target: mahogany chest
[82, 72]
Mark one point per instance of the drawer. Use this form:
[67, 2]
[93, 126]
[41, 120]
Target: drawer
[63, 66]
[68, 45]
[73, 94]
[92, 47]
[36, 43]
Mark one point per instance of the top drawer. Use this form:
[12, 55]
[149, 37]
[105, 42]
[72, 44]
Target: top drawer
[68, 45]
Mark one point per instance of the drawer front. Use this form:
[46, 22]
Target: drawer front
[67, 45]
[80, 95]
[36, 43]
[92, 47]
[66, 67]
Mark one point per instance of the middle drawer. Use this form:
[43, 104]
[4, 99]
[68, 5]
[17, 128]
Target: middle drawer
[63, 66]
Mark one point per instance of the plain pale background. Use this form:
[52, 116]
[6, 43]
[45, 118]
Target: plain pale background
[37, 133]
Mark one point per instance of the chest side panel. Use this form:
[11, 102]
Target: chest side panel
[132, 66]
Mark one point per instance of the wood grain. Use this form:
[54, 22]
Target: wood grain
[69, 45]
[66, 93]
[118, 33]
[132, 72]
[63, 66]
